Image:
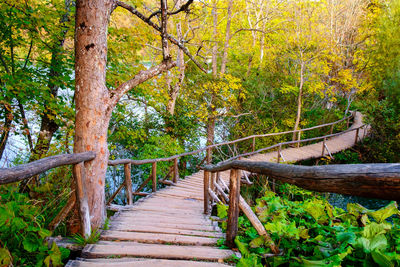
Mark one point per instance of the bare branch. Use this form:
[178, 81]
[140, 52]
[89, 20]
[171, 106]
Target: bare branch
[172, 39]
[139, 78]
[184, 7]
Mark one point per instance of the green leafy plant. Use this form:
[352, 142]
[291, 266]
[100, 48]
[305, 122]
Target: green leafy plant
[91, 239]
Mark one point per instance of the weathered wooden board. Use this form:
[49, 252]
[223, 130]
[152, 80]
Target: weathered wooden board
[151, 238]
[154, 223]
[164, 230]
[133, 249]
[133, 262]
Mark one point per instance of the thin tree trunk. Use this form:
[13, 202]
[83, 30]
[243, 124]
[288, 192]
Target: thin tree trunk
[6, 129]
[299, 101]
[227, 38]
[214, 36]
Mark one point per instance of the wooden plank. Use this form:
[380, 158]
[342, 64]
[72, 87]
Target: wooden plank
[162, 230]
[164, 220]
[135, 262]
[152, 238]
[133, 249]
[164, 225]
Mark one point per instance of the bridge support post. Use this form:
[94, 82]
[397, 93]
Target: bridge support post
[154, 176]
[355, 140]
[176, 171]
[233, 211]
[254, 144]
[206, 194]
[81, 196]
[298, 138]
[323, 147]
[128, 183]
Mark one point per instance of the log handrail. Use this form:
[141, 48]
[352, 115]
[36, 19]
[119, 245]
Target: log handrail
[24, 171]
[376, 180]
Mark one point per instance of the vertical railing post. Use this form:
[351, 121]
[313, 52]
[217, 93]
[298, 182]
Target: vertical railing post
[233, 211]
[212, 181]
[154, 176]
[298, 138]
[279, 153]
[348, 122]
[355, 140]
[331, 132]
[323, 147]
[206, 194]
[79, 174]
[176, 171]
[128, 183]
[254, 144]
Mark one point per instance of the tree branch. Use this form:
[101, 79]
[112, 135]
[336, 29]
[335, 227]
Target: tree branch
[184, 7]
[172, 39]
[139, 78]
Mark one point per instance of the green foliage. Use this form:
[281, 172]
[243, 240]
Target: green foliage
[311, 232]
[83, 241]
[22, 232]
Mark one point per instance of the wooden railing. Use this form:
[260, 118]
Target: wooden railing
[174, 170]
[366, 180]
[25, 171]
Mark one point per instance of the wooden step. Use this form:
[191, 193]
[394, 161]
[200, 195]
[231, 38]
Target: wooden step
[164, 225]
[163, 230]
[134, 249]
[134, 262]
[152, 238]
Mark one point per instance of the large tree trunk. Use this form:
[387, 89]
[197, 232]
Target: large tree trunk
[92, 99]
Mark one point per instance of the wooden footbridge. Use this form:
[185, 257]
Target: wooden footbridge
[172, 226]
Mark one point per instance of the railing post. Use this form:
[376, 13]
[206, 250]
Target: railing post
[128, 183]
[279, 153]
[323, 147]
[233, 211]
[331, 132]
[176, 171]
[154, 176]
[212, 181]
[348, 122]
[79, 174]
[355, 140]
[298, 138]
[254, 144]
[206, 194]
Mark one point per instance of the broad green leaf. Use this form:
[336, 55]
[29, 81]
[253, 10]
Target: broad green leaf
[222, 211]
[257, 242]
[382, 214]
[381, 259]
[5, 257]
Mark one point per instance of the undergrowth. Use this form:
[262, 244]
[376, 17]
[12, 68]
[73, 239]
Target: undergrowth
[311, 232]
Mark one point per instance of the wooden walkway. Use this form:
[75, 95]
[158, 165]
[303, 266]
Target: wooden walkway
[168, 228]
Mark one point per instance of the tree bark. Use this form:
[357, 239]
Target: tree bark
[299, 101]
[94, 103]
[92, 99]
[227, 38]
[6, 128]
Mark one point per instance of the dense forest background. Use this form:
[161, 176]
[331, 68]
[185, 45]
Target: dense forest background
[269, 66]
